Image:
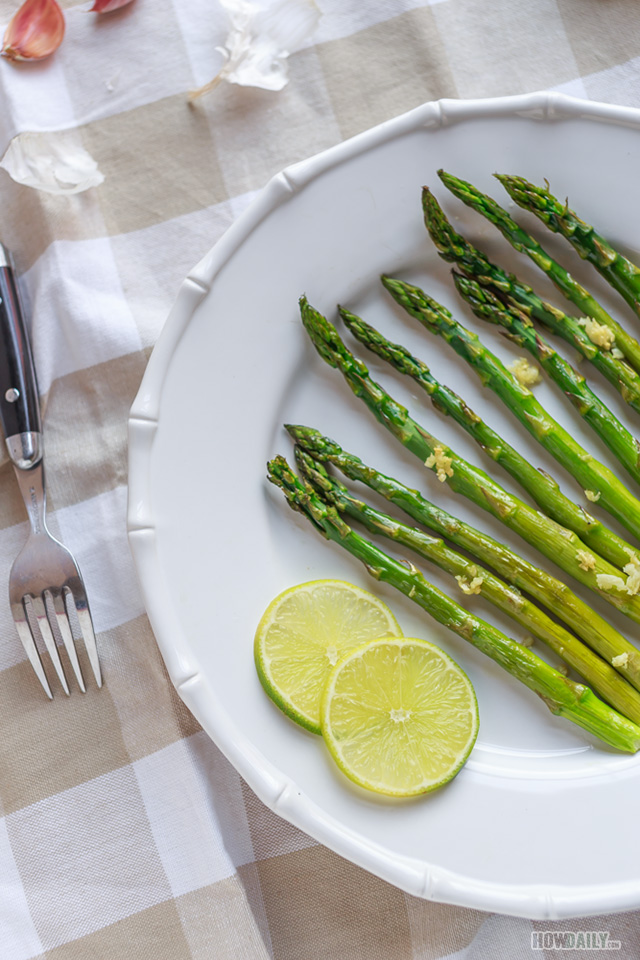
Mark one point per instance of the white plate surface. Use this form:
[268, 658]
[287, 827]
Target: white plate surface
[540, 822]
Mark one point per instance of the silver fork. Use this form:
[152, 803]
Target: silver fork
[45, 585]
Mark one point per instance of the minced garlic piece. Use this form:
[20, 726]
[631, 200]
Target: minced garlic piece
[467, 587]
[632, 569]
[527, 374]
[607, 581]
[587, 561]
[592, 495]
[412, 592]
[441, 462]
[526, 641]
[621, 660]
[599, 333]
[617, 353]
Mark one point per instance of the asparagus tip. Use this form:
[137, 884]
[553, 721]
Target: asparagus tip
[345, 314]
[297, 430]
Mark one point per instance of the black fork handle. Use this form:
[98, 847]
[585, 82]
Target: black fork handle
[19, 405]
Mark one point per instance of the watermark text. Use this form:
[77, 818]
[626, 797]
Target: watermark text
[573, 940]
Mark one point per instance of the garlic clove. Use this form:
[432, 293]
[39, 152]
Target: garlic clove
[34, 31]
[106, 6]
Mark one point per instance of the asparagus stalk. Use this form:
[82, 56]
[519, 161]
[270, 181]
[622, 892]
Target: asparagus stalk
[556, 542]
[618, 270]
[590, 473]
[455, 249]
[473, 578]
[563, 697]
[542, 487]
[552, 593]
[524, 242]
[487, 306]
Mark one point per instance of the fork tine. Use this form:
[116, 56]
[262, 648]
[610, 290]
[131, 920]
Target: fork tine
[29, 644]
[61, 619]
[77, 596]
[40, 613]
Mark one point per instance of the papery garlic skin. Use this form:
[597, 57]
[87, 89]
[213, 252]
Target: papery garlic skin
[34, 32]
[106, 6]
[54, 162]
[263, 33]
[262, 36]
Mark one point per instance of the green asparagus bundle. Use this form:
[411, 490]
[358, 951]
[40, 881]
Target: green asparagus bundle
[455, 249]
[542, 487]
[591, 474]
[524, 242]
[557, 543]
[552, 593]
[621, 273]
[474, 579]
[519, 328]
[562, 696]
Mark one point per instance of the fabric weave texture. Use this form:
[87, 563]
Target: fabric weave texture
[123, 830]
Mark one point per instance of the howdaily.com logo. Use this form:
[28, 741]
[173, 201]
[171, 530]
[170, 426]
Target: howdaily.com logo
[573, 940]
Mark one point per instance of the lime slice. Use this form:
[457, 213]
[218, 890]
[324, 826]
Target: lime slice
[399, 716]
[305, 631]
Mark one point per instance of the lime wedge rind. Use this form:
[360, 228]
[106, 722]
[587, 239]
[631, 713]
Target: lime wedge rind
[304, 631]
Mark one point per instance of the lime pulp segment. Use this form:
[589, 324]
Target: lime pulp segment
[399, 716]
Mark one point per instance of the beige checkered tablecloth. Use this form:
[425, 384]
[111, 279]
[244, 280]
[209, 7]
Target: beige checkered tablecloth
[124, 833]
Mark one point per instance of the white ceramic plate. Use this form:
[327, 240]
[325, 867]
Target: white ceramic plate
[540, 822]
